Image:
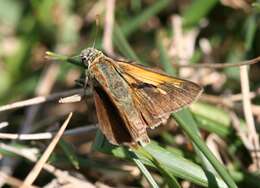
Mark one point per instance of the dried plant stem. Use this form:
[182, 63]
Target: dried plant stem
[12, 181]
[242, 134]
[39, 165]
[47, 135]
[71, 99]
[214, 145]
[3, 124]
[227, 101]
[108, 28]
[251, 134]
[62, 176]
[41, 99]
[218, 65]
[44, 87]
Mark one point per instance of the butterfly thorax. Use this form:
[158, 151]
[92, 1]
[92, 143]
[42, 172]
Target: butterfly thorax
[89, 55]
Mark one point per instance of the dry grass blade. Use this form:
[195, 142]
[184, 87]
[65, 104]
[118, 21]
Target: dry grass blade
[108, 28]
[227, 101]
[252, 134]
[70, 99]
[48, 135]
[62, 176]
[219, 65]
[3, 124]
[36, 136]
[39, 165]
[12, 181]
[41, 99]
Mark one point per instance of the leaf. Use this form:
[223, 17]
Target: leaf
[69, 152]
[174, 164]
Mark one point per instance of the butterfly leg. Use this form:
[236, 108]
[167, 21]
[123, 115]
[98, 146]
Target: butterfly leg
[80, 82]
[86, 79]
[83, 80]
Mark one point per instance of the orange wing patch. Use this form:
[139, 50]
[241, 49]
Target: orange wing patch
[149, 76]
[157, 95]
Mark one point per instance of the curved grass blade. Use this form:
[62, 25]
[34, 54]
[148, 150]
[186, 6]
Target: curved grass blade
[174, 164]
[135, 23]
[69, 153]
[170, 178]
[196, 11]
[185, 119]
[146, 173]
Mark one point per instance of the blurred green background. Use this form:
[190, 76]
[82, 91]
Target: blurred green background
[29, 28]
[145, 31]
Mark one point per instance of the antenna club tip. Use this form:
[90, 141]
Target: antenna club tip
[53, 56]
[48, 52]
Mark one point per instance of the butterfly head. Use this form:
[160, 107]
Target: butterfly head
[88, 55]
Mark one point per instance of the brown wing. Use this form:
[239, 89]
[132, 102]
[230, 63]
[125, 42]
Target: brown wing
[117, 91]
[157, 95]
[110, 122]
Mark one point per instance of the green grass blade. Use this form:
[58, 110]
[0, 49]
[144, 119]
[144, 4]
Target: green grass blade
[211, 112]
[165, 61]
[102, 144]
[122, 44]
[184, 118]
[135, 23]
[69, 152]
[164, 57]
[196, 11]
[169, 177]
[146, 173]
[250, 32]
[213, 127]
[174, 164]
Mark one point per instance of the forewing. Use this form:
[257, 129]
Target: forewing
[157, 95]
[105, 76]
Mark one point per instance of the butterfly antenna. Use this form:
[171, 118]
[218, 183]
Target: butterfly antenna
[97, 30]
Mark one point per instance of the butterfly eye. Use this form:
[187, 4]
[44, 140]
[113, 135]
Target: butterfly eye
[83, 59]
